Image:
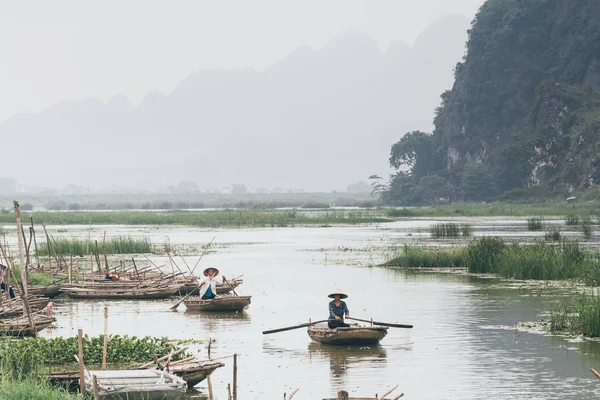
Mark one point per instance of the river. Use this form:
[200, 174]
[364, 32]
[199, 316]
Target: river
[464, 344]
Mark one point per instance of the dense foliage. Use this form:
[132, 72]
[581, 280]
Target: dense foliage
[523, 118]
[20, 358]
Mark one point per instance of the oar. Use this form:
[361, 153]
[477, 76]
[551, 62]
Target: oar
[185, 297]
[595, 373]
[381, 323]
[289, 328]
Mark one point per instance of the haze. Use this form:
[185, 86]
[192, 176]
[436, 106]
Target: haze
[316, 119]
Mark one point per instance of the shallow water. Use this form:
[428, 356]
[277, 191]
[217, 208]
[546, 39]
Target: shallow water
[457, 349]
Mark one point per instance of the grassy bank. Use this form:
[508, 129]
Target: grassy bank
[498, 210]
[208, 219]
[537, 261]
[33, 389]
[115, 245]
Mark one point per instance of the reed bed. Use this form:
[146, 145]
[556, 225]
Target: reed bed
[535, 224]
[572, 219]
[489, 255]
[114, 245]
[420, 257]
[450, 230]
[208, 219]
[586, 227]
[582, 318]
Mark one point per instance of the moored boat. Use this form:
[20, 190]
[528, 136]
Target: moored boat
[49, 291]
[220, 303]
[354, 335]
[20, 326]
[194, 372]
[222, 287]
[125, 293]
[15, 307]
[136, 385]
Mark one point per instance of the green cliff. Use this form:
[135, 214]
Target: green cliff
[523, 116]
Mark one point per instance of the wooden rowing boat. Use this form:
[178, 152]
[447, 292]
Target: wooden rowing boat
[136, 385]
[20, 326]
[49, 291]
[15, 307]
[222, 288]
[122, 293]
[220, 303]
[194, 372]
[354, 335]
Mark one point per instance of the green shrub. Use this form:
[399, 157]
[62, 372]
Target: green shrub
[535, 224]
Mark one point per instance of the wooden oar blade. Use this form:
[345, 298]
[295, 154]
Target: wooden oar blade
[289, 328]
[392, 325]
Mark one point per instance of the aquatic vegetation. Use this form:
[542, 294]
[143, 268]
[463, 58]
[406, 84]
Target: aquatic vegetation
[315, 204]
[114, 245]
[209, 219]
[483, 254]
[582, 318]
[552, 234]
[34, 389]
[23, 357]
[450, 230]
[586, 227]
[402, 212]
[34, 277]
[535, 224]
[421, 257]
[571, 219]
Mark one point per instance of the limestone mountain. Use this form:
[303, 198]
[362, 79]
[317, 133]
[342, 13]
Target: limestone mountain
[523, 116]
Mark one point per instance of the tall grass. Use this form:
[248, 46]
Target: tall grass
[450, 230]
[538, 261]
[571, 219]
[583, 318]
[535, 224]
[586, 227]
[34, 389]
[209, 219]
[420, 257]
[115, 245]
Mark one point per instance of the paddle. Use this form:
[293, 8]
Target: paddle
[202, 255]
[173, 308]
[595, 373]
[289, 328]
[381, 323]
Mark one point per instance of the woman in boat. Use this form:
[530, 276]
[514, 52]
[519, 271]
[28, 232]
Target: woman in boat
[208, 287]
[337, 310]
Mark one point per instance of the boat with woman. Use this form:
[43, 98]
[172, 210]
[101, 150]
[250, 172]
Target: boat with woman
[208, 300]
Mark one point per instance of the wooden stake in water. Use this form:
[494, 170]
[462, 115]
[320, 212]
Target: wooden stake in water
[96, 393]
[21, 249]
[71, 270]
[105, 348]
[235, 376]
[80, 361]
[343, 395]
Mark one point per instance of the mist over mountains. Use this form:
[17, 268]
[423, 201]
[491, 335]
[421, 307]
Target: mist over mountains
[317, 119]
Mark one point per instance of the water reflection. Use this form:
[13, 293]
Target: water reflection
[341, 358]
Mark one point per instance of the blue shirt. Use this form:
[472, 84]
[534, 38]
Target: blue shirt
[338, 311]
[208, 291]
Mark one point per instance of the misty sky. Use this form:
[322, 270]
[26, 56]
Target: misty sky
[69, 50]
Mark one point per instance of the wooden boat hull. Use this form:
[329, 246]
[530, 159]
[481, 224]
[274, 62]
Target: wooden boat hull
[15, 307]
[355, 335]
[136, 385]
[50, 291]
[121, 293]
[195, 372]
[222, 303]
[20, 326]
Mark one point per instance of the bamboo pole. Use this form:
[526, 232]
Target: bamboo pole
[37, 254]
[70, 271]
[51, 249]
[98, 257]
[105, 348]
[210, 390]
[292, 394]
[80, 361]
[162, 358]
[21, 248]
[228, 391]
[104, 251]
[235, 376]
[96, 392]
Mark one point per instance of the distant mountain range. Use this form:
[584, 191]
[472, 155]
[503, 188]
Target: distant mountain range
[317, 119]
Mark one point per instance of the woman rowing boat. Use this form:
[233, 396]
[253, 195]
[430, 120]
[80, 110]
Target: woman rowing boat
[208, 287]
[337, 310]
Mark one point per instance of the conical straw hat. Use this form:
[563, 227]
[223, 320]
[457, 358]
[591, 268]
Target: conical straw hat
[340, 292]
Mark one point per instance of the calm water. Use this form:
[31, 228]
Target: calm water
[457, 349]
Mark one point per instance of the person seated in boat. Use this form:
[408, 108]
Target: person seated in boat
[111, 276]
[337, 310]
[208, 287]
[3, 285]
